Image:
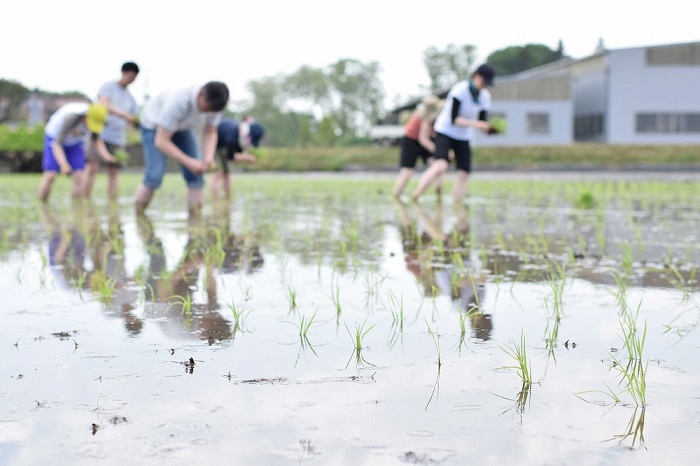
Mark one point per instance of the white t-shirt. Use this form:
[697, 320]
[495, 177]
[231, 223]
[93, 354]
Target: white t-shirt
[63, 125]
[121, 99]
[176, 110]
[467, 109]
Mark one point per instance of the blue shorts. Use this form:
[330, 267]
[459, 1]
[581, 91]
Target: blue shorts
[156, 161]
[75, 155]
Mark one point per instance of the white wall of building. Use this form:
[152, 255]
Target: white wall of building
[560, 116]
[635, 87]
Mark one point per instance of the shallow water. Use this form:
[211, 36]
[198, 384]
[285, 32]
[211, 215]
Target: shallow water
[121, 341]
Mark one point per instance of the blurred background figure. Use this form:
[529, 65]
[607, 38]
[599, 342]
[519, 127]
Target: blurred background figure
[122, 107]
[465, 111]
[418, 141]
[235, 140]
[64, 144]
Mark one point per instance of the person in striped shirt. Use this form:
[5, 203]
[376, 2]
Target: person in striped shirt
[168, 122]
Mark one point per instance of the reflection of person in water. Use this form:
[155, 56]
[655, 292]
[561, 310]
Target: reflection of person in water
[109, 264]
[172, 291]
[66, 248]
[445, 263]
[241, 250]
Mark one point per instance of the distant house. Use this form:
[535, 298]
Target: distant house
[639, 95]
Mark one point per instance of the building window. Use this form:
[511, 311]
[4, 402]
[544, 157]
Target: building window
[588, 125]
[537, 123]
[667, 123]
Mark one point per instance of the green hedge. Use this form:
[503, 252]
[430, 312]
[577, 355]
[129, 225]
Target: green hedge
[21, 138]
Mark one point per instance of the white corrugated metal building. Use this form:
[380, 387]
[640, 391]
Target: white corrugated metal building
[639, 95]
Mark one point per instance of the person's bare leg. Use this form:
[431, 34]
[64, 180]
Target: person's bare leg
[404, 176]
[215, 184]
[90, 172]
[437, 168]
[195, 200]
[460, 188]
[78, 178]
[113, 182]
[142, 198]
[439, 180]
[45, 185]
[226, 181]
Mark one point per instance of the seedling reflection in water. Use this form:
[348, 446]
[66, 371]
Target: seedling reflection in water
[436, 341]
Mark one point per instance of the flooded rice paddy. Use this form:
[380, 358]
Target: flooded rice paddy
[314, 319]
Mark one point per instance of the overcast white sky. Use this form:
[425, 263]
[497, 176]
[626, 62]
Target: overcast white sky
[79, 44]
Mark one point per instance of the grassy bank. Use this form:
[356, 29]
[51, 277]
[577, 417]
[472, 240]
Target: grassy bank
[577, 155]
[386, 158]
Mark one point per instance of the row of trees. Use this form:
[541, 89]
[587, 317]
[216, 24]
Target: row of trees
[336, 104]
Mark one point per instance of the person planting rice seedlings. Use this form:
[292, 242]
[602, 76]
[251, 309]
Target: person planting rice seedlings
[418, 141]
[64, 144]
[235, 138]
[466, 109]
[122, 113]
[167, 130]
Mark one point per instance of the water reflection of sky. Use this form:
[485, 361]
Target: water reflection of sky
[260, 393]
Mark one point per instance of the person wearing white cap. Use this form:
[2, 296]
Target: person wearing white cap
[64, 144]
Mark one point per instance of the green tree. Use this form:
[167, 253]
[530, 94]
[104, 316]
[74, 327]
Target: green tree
[325, 136]
[310, 85]
[357, 94]
[12, 96]
[448, 66]
[515, 59]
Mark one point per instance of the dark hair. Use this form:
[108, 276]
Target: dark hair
[130, 66]
[216, 95]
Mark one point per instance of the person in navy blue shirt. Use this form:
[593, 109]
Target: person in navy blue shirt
[235, 139]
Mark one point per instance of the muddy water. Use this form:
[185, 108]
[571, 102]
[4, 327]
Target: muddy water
[318, 320]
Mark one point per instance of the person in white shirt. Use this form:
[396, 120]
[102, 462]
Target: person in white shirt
[167, 130]
[65, 138]
[465, 110]
[122, 113]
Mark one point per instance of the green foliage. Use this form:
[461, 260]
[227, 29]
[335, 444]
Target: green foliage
[515, 59]
[448, 66]
[314, 105]
[586, 201]
[13, 94]
[21, 138]
[325, 135]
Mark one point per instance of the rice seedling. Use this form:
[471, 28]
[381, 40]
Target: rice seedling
[358, 337]
[518, 352]
[239, 316]
[305, 324]
[609, 393]
[292, 296]
[185, 304]
[463, 317]
[397, 312]
[436, 340]
[80, 284]
[556, 280]
[680, 283]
